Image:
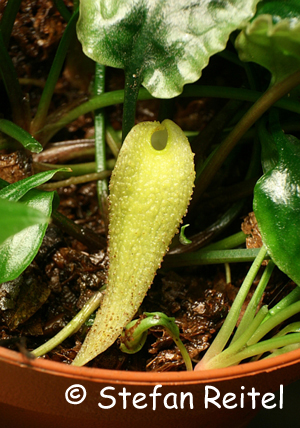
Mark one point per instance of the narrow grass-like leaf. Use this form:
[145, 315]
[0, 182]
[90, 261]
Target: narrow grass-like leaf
[20, 135]
[16, 191]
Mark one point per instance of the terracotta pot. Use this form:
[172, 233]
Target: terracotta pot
[33, 394]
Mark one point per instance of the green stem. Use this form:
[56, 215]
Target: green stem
[63, 10]
[273, 94]
[202, 257]
[133, 337]
[117, 97]
[72, 326]
[113, 140]
[76, 169]
[274, 321]
[210, 233]
[230, 322]
[44, 103]
[228, 243]
[254, 302]
[100, 149]
[283, 350]
[82, 234]
[227, 273]
[133, 79]
[288, 300]
[221, 360]
[258, 348]
[19, 134]
[19, 105]
[97, 176]
[8, 19]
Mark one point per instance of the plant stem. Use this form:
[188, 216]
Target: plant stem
[203, 257]
[133, 79]
[97, 176]
[19, 105]
[274, 321]
[113, 140]
[227, 273]
[133, 338]
[221, 360]
[72, 326]
[82, 234]
[44, 103]
[211, 232]
[100, 150]
[231, 241]
[76, 169]
[230, 322]
[63, 10]
[291, 298]
[254, 302]
[273, 94]
[19, 134]
[258, 348]
[117, 97]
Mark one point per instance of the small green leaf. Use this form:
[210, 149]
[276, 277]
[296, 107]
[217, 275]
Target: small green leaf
[16, 217]
[20, 135]
[277, 206]
[18, 251]
[16, 191]
[182, 238]
[272, 39]
[168, 43]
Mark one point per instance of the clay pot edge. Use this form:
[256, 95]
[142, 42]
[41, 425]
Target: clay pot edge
[148, 378]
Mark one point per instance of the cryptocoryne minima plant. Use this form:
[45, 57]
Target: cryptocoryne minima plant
[150, 189]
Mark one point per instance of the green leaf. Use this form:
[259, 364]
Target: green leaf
[20, 135]
[16, 191]
[168, 43]
[277, 206]
[18, 251]
[16, 217]
[272, 39]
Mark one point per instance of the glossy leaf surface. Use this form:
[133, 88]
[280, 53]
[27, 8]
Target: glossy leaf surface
[167, 42]
[20, 135]
[15, 191]
[277, 206]
[15, 217]
[272, 39]
[18, 251]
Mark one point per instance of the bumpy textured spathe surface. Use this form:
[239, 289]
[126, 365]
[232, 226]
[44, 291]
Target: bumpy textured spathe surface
[149, 193]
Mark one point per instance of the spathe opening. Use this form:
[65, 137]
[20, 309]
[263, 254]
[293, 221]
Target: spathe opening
[159, 139]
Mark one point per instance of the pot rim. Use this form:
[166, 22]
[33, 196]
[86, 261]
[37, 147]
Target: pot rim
[144, 378]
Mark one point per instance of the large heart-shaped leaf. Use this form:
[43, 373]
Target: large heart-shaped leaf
[168, 42]
[272, 39]
[18, 251]
[277, 206]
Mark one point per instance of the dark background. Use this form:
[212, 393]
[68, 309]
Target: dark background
[289, 416]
